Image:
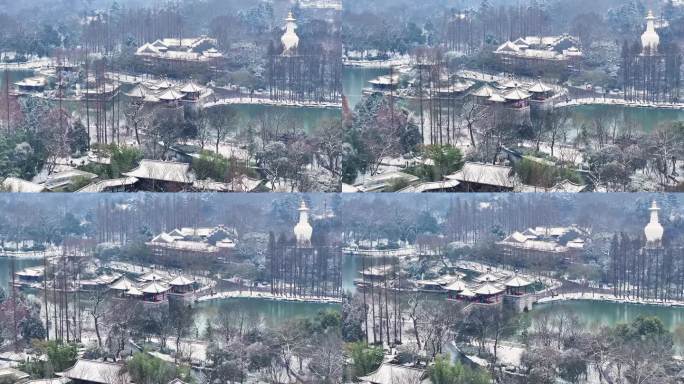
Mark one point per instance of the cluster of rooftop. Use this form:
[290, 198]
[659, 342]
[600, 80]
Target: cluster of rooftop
[153, 286]
[164, 91]
[512, 93]
[549, 48]
[197, 49]
[217, 241]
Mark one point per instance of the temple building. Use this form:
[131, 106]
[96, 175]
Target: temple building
[540, 52]
[545, 245]
[194, 244]
[172, 53]
[188, 49]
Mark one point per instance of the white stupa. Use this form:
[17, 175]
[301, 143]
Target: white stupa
[290, 39]
[303, 229]
[650, 39]
[653, 230]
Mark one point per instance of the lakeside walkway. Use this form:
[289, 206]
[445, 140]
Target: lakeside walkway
[259, 100]
[609, 298]
[377, 64]
[618, 102]
[269, 296]
[49, 253]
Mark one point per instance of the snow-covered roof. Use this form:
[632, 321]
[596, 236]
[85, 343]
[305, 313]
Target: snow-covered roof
[541, 47]
[96, 372]
[170, 95]
[385, 80]
[194, 246]
[394, 374]
[567, 186]
[496, 98]
[510, 83]
[61, 179]
[123, 284]
[105, 185]
[517, 282]
[516, 94]
[38, 81]
[381, 181]
[154, 288]
[431, 186]
[516, 237]
[487, 277]
[456, 286]
[181, 280]
[163, 171]
[378, 271]
[191, 87]
[225, 244]
[31, 272]
[138, 92]
[163, 238]
[488, 174]
[238, 184]
[484, 91]
[13, 375]
[153, 276]
[508, 47]
[488, 290]
[134, 291]
[15, 184]
[539, 87]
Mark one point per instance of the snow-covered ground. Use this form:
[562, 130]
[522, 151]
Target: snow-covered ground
[610, 298]
[625, 103]
[38, 63]
[266, 101]
[270, 296]
[50, 252]
[395, 61]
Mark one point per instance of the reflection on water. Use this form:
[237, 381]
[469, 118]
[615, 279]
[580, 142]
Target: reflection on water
[355, 79]
[304, 119]
[19, 264]
[253, 311]
[594, 314]
[624, 118]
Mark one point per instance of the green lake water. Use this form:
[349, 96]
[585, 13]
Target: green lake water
[624, 118]
[355, 79]
[594, 314]
[19, 264]
[268, 312]
[304, 119]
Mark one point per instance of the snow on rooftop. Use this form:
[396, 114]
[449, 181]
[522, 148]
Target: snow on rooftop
[488, 174]
[163, 171]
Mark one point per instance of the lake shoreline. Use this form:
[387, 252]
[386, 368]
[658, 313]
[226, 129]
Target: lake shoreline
[621, 103]
[273, 103]
[608, 299]
[268, 296]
